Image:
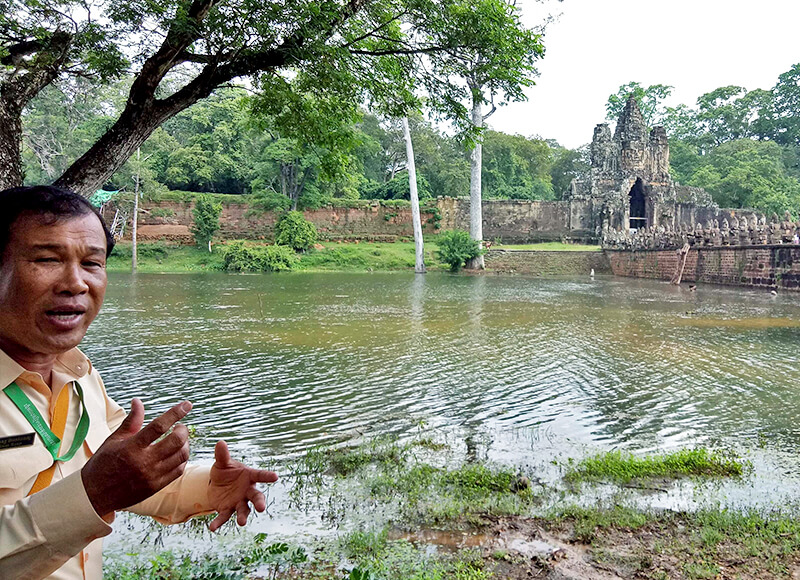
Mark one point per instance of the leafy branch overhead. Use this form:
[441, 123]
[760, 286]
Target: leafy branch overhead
[341, 52]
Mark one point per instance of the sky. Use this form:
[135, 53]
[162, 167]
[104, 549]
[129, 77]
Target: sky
[595, 46]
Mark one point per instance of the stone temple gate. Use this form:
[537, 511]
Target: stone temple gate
[629, 186]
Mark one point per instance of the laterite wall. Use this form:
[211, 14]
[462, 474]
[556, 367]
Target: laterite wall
[776, 266]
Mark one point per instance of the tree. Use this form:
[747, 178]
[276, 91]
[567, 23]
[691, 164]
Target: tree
[568, 164]
[786, 108]
[355, 48]
[516, 167]
[480, 78]
[748, 173]
[41, 42]
[206, 219]
[419, 248]
[650, 100]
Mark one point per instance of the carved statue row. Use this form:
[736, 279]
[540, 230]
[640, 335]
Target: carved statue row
[743, 231]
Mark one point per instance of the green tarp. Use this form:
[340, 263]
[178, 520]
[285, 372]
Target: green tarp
[101, 196]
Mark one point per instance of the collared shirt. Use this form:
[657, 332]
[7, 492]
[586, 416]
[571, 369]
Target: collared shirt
[55, 533]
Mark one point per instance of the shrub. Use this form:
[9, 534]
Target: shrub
[456, 247]
[295, 231]
[206, 219]
[155, 250]
[269, 200]
[161, 212]
[239, 257]
[397, 188]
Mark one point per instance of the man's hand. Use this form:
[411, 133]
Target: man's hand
[233, 488]
[130, 465]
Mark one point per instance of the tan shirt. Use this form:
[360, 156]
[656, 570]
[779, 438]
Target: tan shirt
[47, 534]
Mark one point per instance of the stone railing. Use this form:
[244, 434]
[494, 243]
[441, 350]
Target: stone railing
[752, 231]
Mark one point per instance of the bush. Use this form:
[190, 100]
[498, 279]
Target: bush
[397, 188]
[155, 250]
[295, 231]
[269, 200]
[239, 257]
[206, 219]
[456, 247]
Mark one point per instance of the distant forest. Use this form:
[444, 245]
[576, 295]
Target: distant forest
[742, 146]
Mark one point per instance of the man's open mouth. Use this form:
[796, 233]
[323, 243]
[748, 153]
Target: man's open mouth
[65, 315]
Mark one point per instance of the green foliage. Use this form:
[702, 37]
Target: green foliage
[397, 188]
[161, 212]
[293, 230]
[568, 164]
[516, 167]
[206, 219]
[272, 559]
[269, 200]
[456, 247]
[620, 467]
[155, 250]
[743, 173]
[649, 99]
[239, 256]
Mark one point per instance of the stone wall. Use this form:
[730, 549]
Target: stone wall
[512, 220]
[538, 263]
[374, 221]
[770, 266]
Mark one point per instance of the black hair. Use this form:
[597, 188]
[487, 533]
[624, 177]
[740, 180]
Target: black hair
[48, 202]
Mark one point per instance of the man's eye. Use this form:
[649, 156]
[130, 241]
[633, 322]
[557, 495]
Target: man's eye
[93, 264]
[43, 260]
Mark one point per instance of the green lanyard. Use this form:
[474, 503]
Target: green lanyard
[51, 441]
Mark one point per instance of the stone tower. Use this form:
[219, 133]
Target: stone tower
[629, 186]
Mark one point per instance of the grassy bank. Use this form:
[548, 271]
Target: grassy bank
[410, 511]
[329, 256]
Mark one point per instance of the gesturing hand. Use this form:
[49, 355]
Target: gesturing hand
[233, 488]
[130, 466]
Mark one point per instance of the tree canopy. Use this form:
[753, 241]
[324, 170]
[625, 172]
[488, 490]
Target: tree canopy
[333, 53]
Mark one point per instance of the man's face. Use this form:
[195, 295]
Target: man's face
[52, 283]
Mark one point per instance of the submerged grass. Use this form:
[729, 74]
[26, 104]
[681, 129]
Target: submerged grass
[400, 477]
[620, 467]
[386, 488]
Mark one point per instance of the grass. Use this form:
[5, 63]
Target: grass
[333, 256]
[385, 488]
[620, 467]
[655, 544]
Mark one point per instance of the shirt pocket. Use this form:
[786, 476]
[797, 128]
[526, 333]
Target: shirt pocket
[20, 465]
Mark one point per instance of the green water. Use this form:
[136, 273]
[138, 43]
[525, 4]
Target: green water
[523, 371]
[511, 368]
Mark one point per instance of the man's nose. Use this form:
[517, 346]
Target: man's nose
[72, 279]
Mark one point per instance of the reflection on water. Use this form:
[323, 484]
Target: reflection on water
[275, 364]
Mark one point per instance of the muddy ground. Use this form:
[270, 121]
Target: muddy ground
[517, 548]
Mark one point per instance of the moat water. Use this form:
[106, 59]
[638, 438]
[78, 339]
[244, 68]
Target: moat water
[513, 369]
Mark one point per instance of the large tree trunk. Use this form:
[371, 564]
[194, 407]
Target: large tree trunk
[10, 140]
[17, 90]
[419, 265]
[95, 167]
[475, 201]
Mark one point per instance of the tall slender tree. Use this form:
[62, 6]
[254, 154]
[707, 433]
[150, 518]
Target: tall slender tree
[419, 247]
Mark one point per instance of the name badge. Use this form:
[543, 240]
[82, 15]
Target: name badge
[13, 441]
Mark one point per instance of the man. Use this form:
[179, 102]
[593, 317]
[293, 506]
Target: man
[69, 456]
